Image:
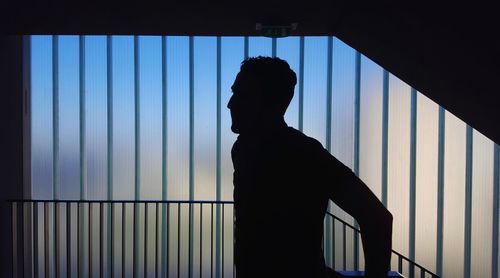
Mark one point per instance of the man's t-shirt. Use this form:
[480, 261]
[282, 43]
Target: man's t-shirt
[282, 183]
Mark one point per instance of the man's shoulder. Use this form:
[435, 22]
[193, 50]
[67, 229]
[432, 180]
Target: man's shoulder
[285, 139]
[305, 141]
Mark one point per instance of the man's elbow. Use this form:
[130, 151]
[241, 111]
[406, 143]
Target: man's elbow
[382, 217]
[387, 217]
[379, 217]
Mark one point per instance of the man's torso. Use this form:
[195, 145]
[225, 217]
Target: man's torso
[280, 201]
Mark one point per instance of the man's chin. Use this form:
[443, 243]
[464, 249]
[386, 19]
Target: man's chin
[235, 129]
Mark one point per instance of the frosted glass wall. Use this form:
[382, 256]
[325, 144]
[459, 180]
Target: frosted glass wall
[145, 118]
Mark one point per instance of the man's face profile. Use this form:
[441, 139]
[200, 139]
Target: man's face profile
[244, 104]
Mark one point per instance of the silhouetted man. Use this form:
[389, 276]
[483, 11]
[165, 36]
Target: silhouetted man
[283, 181]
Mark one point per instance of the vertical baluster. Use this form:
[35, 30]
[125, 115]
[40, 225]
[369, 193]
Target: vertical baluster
[101, 237]
[46, 237]
[323, 240]
[56, 238]
[422, 273]
[190, 239]
[344, 247]
[223, 239]
[90, 238]
[135, 244]
[80, 239]
[145, 239]
[178, 239]
[201, 239]
[68, 239]
[211, 240]
[233, 221]
[13, 207]
[111, 239]
[35, 239]
[19, 226]
[400, 264]
[333, 243]
[124, 209]
[157, 234]
[356, 249]
[24, 234]
[168, 240]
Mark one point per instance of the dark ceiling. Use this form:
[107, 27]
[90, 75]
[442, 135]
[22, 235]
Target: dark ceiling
[448, 53]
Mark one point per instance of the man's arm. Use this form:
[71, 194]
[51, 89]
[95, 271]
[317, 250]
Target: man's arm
[375, 221]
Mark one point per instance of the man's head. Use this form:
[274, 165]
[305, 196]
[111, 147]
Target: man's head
[262, 92]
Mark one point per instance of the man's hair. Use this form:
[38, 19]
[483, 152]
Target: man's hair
[275, 76]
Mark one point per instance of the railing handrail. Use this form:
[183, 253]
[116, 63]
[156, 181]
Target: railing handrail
[120, 201]
[358, 231]
[343, 222]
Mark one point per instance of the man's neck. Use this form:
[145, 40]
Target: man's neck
[269, 126]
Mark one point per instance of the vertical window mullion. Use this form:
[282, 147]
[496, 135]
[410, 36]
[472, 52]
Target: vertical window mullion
[191, 119]
[357, 103]
[109, 80]
[109, 89]
[468, 201]
[357, 115]
[301, 84]
[413, 163]
[137, 118]
[219, 132]
[55, 116]
[328, 138]
[496, 211]
[219, 150]
[385, 134]
[164, 256]
[55, 146]
[246, 47]
[83, 161]
[191, 149]
[273, 46]
[137, 154]
[440, 192]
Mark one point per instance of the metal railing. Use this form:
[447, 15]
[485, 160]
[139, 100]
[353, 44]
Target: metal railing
[413, 269]
[124, 238]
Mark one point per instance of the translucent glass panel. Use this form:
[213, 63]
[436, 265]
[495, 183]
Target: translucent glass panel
[342, 129]
[398, 161]
[482, 206]
[204, 139]
[288, 49]
[150, 115]
[178, 117]
[107, 109]
[41, 117]
[454, 196]
[315, 80]
[205, 120]
[95, 147]
[370, 137]
[343, 98]
[232, 53]
[426, 182]
[259, 46]
[123, 117]
[69, 117]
